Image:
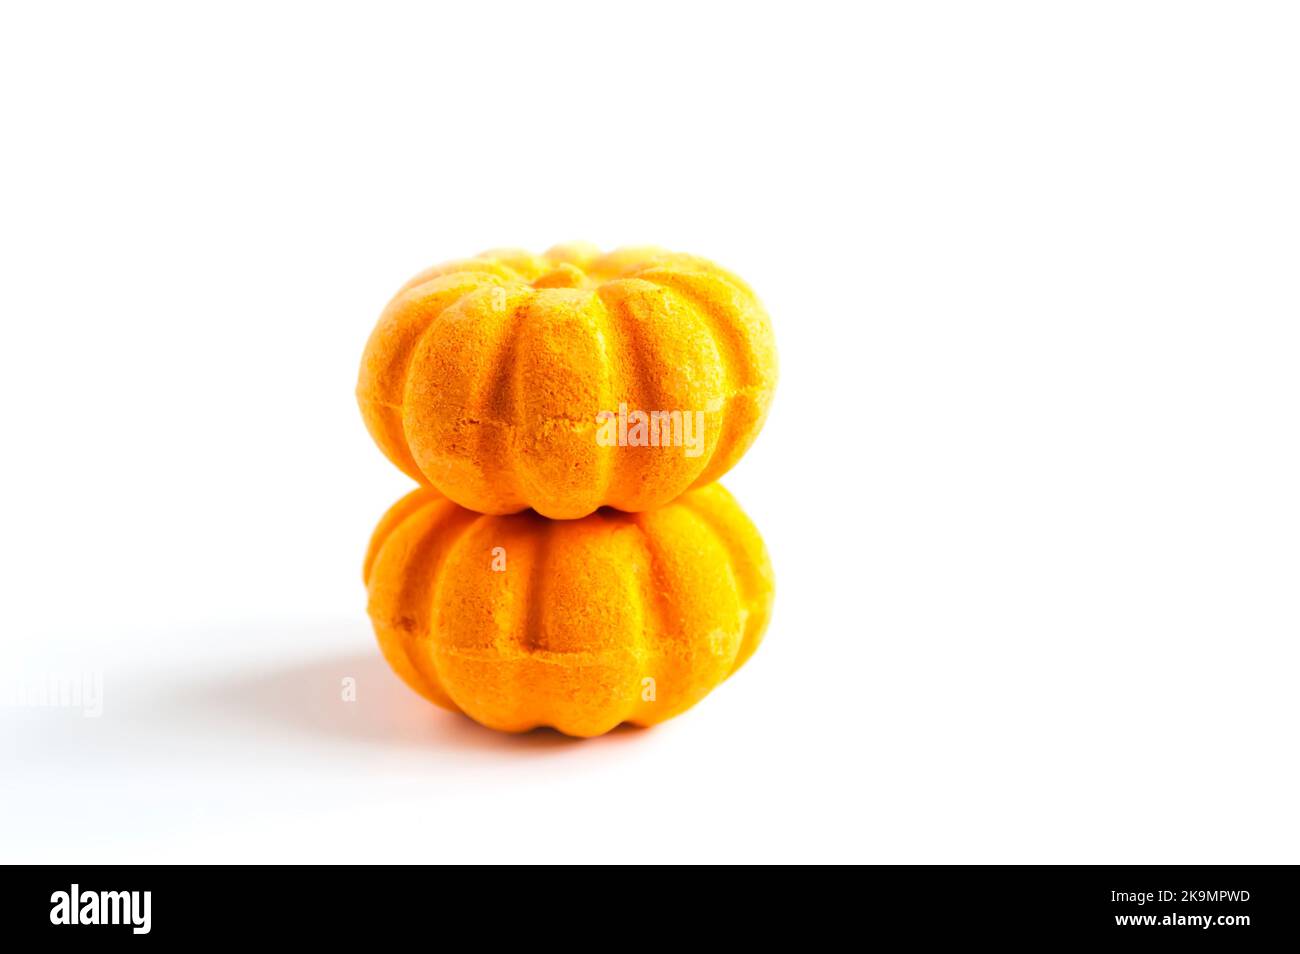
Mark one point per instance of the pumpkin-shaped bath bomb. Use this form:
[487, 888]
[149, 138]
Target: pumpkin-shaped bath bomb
[570, 380]
[519, 621]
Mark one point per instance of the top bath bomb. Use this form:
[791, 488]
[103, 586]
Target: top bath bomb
[570, 380]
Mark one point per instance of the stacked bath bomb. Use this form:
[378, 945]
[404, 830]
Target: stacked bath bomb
[568, 560]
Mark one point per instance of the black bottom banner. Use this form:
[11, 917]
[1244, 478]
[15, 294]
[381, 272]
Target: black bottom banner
[110, 906]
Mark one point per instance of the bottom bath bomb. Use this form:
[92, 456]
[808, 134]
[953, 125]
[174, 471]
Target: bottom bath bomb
[519, 621]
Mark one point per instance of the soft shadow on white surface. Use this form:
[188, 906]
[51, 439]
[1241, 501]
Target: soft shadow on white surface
[271, 696]
[219, 741]
[308, 697]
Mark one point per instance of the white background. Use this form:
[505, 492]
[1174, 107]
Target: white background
[1031, 483]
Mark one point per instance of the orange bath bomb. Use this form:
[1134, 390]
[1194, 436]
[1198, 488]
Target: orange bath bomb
[570, 380]
[519, 621]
